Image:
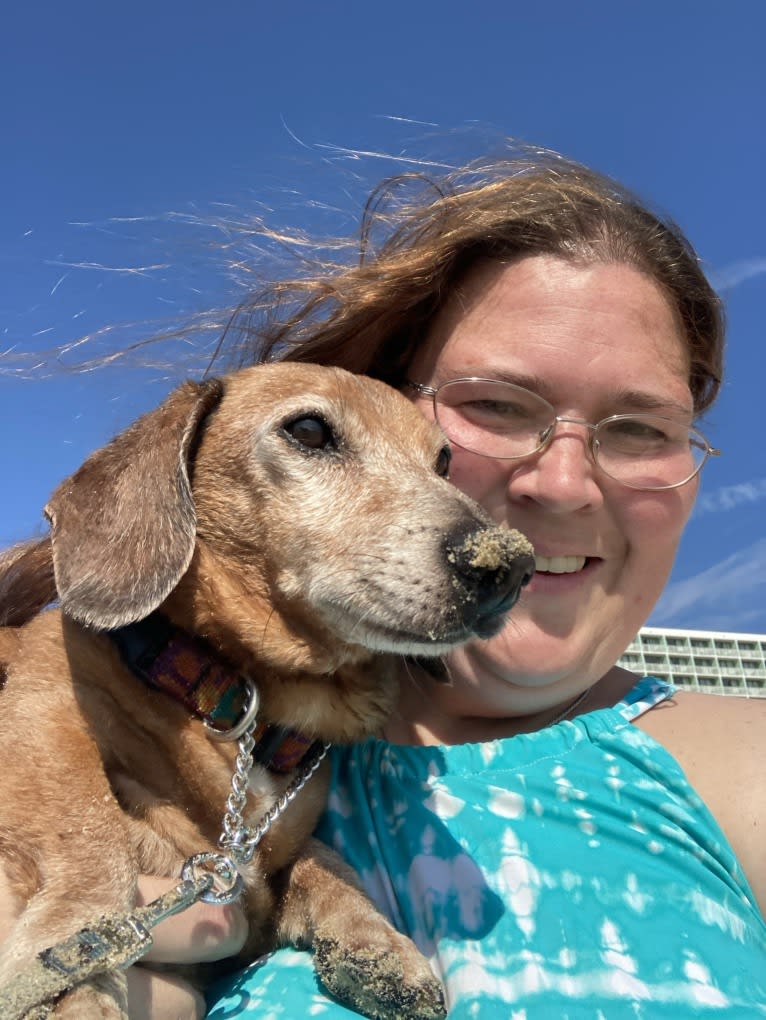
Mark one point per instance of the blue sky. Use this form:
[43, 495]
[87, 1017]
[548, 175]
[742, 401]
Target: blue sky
[128, 129]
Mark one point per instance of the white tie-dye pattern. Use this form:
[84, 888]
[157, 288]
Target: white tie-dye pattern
[490, 751]
[614, 951]
[613, 781]
[569, 881]
[443, 803]
[468, 883]
[586, 824]
[712, 913]
[702, 987]
[430, 878]
[473, 975]
[518, 883]
[637, 824]
[565, 790]
[635, 899]
[567, 959]
[339, 802]
[506, 804]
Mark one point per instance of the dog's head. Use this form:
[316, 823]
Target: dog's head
[285, 497]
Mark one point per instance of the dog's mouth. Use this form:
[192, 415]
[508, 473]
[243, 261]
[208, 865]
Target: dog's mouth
[436, 641]
[411, 643]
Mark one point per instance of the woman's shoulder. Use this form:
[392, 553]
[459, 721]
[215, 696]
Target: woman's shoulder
[720, 743]
[699, 729]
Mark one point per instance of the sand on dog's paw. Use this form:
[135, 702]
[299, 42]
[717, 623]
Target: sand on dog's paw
[377, 984]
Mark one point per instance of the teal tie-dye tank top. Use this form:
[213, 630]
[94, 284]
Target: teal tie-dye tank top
[568, 873]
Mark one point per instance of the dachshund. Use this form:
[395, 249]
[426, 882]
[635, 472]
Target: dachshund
[286, 533]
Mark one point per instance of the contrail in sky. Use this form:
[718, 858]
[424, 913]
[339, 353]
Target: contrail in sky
[737, 272]
[737, 583]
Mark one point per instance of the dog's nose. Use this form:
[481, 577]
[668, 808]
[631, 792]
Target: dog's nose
[491, 565]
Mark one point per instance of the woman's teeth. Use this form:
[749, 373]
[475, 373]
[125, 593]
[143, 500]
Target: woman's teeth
[559, 564]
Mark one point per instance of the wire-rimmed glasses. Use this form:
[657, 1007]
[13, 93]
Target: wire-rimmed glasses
[508, 422]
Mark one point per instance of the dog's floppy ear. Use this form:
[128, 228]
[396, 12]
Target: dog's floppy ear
[123, 526]
[26, 581]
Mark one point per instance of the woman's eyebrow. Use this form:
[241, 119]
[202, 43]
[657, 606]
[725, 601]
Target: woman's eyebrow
[624, 399]
[525, 380]
[640, 400]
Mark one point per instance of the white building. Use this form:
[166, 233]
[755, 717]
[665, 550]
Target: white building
[702, 660]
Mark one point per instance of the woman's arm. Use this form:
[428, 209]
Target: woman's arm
[720, 742]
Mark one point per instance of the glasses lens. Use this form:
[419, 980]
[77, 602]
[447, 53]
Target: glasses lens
[495, 419]
[498, 419]
[646, 451]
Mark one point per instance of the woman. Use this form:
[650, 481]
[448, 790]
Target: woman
[560, 836]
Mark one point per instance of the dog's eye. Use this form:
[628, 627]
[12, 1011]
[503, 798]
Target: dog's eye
[443, 462]
[311, 432]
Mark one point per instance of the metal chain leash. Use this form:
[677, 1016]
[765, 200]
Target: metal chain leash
[238, 840]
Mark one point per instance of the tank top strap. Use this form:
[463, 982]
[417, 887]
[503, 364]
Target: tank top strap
[645, 694]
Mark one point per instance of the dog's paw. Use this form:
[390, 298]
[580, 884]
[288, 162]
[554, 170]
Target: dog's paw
[389, 981]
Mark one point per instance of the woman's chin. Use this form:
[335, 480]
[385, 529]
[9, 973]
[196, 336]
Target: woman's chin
[512, 659]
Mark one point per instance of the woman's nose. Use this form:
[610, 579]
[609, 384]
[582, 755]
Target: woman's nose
[563, 476]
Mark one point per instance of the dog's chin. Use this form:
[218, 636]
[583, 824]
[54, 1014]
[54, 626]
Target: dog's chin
[390, 640]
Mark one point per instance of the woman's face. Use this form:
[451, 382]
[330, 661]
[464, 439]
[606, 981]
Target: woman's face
[593, 340]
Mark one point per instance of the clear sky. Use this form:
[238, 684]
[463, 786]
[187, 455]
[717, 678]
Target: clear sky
[120, 124]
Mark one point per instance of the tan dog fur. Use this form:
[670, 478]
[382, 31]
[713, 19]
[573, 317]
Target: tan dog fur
[309, 570]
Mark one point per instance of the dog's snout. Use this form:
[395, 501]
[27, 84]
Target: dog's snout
[491, 565]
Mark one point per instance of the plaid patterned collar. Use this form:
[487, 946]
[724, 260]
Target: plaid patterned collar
[187, 669]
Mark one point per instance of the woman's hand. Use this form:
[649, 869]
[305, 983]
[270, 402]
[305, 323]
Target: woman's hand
[202, 933]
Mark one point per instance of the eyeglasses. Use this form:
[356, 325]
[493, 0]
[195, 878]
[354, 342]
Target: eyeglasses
[507, 422]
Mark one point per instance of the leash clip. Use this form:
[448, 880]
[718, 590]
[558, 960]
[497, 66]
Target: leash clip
[224, 882]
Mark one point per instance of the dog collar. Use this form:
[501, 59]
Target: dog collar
[187, 669]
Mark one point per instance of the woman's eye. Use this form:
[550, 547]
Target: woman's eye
[494, 410]
[636, 430]
[311, 432]
[443, 462]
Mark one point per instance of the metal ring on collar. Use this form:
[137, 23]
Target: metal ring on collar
[246, 720]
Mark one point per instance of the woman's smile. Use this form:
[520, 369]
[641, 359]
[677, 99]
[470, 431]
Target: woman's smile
[559, 575]
[559, 564]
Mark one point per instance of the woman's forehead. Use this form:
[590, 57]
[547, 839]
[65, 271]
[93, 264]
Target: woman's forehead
[541, 314]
